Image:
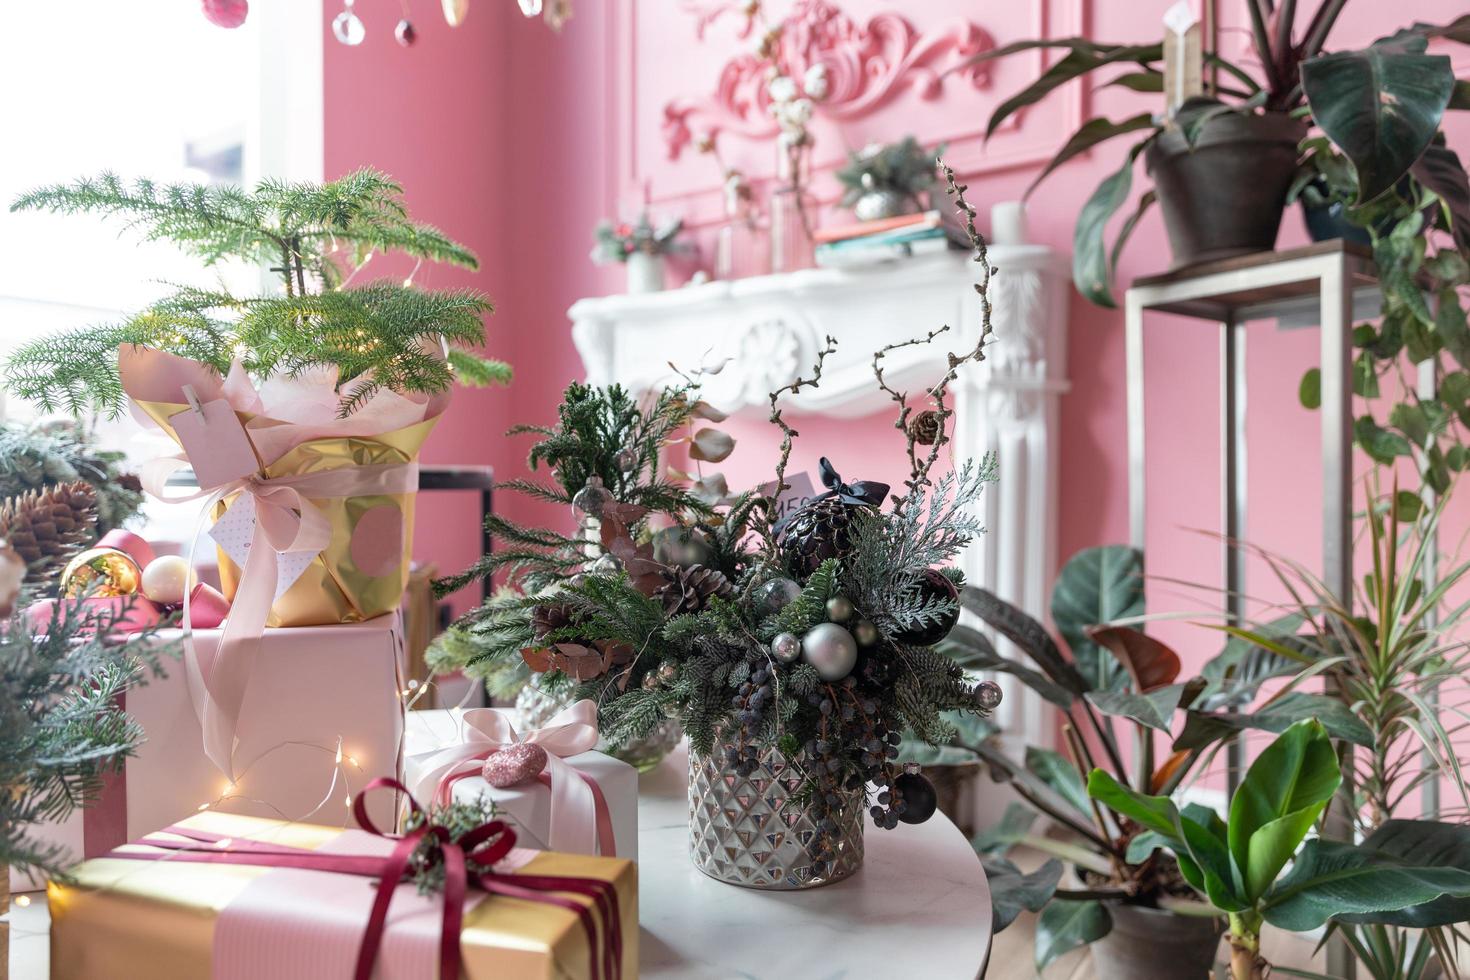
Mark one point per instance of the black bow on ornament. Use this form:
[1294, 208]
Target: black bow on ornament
[859, 493]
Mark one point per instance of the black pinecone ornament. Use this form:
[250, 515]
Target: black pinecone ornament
[822, 527]
[688, 590]
[934, 585]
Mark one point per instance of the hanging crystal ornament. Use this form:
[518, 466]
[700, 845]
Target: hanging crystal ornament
[626, 459]
[347, 26]
[591, 499]
[607, 565]
[531, 8]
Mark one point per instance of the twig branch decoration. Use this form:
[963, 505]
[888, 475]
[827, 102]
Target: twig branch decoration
[940, 414]
[788, 434]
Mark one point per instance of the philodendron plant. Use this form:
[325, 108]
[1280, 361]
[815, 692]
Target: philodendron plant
[1116, 675]
[1382, 105]
[1403, 874]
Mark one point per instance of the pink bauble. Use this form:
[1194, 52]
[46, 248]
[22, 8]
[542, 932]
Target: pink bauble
[515, 765]
[226, 13]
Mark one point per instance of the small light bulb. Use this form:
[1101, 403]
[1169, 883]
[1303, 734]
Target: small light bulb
[348, 801]
[353, 760]
[203, 807]
[339, 753]
[413, 684]
[23, 901]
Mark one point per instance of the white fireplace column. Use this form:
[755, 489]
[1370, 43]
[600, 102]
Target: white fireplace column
[767, 330]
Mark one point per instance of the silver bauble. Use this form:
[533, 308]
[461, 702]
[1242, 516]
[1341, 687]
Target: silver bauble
[682, 546]
[839, 609]
[771, 597]
[865, 633]
[831, 650]
[786, 647]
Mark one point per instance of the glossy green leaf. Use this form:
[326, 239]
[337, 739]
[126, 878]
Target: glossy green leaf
[1381, 105]
[1098, 585]
[1278, 801]
[1154, 710]
[1205, 836]
[1012, 892]
[1125, 231]
[1144, 844]
[1378, 442]
[1156, 813]
[1426, 844]
[1091, 273]
[1331, 879]
[1093, 132]
[1014, 824]
[1057, 772]
[1065, 926]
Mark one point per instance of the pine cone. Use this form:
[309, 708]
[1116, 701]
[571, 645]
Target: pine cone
[549, 618]
[925, 427]
[46, 527]
[687, 590]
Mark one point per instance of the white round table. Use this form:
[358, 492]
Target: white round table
[920, 906]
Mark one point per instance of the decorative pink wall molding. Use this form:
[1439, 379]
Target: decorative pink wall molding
[866, 67]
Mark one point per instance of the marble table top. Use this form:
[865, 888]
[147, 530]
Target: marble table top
[920, 906]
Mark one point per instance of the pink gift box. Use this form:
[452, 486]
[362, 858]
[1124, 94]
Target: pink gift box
[312, 687]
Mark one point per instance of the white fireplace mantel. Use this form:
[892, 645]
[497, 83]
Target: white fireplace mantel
[766, 332]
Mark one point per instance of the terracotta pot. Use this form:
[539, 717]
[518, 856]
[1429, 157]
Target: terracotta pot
[1151, 944]
[1225, 196]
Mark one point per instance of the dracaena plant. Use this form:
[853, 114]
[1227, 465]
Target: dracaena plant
[1116, 675]
[1381, 105]
[1408, 872]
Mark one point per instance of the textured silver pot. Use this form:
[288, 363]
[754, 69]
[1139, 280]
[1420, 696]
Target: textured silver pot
[536, 707]
[747, 830]
[877, 204]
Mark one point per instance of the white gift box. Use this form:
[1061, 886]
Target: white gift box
[526, 806]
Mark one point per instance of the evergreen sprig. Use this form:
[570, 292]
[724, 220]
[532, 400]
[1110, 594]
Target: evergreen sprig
[61, 727]
[381, 335]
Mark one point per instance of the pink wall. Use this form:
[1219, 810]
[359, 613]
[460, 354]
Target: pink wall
[517, 141]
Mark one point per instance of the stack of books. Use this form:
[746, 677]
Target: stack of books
[884, 239]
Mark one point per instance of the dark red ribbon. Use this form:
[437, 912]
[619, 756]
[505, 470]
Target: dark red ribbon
[487, 844]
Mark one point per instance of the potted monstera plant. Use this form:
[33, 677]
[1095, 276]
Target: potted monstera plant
[1223, 163]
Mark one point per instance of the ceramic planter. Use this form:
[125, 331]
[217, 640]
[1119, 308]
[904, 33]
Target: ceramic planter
[1224, 196]
[1152, 944]
[645, 273]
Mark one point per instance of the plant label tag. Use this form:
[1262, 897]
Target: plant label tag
[234, 532]
[799, 490]
[215, 443]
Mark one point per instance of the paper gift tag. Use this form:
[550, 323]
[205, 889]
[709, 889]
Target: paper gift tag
[215, 442]
[234, 533]
[799, 490]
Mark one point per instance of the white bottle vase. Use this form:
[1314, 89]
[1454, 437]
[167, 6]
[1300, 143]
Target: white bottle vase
[645, 273]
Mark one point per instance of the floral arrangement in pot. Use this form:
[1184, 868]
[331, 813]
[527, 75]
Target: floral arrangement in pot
[794, 650]
[1223, 159]
[641, 247]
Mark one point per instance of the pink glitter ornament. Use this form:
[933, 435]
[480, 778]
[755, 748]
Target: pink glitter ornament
[226, 13]
[514, 765]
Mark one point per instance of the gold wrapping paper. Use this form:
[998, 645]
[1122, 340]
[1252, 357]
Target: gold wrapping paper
[127, 918]
[334, 589]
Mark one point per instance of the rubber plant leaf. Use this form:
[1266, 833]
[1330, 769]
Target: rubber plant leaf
[1149, 662]
[1065, 926]
[1097, 586]
[1012, 892]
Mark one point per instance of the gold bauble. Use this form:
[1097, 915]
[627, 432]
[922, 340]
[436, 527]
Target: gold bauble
[101, 572]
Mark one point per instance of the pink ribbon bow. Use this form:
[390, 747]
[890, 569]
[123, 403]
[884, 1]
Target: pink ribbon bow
[580, 819]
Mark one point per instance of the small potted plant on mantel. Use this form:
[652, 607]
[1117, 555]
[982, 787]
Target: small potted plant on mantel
[1223, 160]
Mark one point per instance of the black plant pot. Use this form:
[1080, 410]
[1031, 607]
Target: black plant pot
[1327, 222]
[1152, 944]
[1225, 196]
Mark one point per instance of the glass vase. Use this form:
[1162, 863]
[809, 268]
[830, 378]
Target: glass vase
[755, 831]
[793, 212]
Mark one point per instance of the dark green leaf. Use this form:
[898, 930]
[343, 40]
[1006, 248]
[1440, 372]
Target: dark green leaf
[1424, 844]
[1142, 846]
[1014, 824]
[1378, 442]
[973, 650]
[1097, 586]
[1093, 132]
[1381, 105]
[1154, 709]
[1065, 926]
[1125, 231]
[1236, 674]
[1012, 892]
[1408, 506]
[1139, 81]
[1058, 773]
[1440, 170]
[1090, 270]
[1026, 633]
[1201, 729]
[1083, 57]
[1331, 879]
[1409, 419]
[1449, 323]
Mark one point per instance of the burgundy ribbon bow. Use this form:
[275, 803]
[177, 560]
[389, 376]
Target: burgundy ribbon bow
[487, 844]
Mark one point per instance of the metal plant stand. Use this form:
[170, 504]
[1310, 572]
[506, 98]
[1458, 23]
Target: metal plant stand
[1327, 284]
